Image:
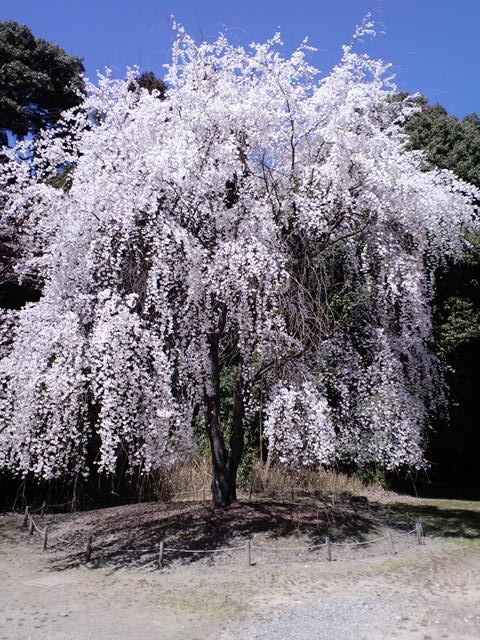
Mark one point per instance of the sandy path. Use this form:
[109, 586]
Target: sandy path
[426, 593]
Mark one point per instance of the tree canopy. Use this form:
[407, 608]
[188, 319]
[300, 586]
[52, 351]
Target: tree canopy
[454, 144]
[38, 81]
[449, 143]
[257, 219]
[149, 81]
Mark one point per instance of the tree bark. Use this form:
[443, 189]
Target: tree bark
[237, 437]
[225, 460]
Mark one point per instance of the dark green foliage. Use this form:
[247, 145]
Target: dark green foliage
[227, 385]
[371, 474]
[38, 80]
[450, 143]
[149, 81]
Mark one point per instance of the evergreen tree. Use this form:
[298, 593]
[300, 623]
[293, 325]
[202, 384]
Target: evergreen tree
[38, 80]
[454, 144]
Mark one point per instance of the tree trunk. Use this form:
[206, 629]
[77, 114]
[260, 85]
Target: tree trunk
[237, 437]
[224, 461]
[221, 486]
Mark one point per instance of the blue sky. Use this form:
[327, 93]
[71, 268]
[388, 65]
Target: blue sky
[433, 45]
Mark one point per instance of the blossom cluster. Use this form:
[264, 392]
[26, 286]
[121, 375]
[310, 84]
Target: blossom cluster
[239, 212]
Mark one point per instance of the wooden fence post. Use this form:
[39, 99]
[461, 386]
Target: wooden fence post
[42, 510]
[418, 534]
[88, 549]
[25, 516]
[161, 552]
[390, 539]
[422, 534]
[328, 544]
[45, 539]
[248, 552]
[31, 525]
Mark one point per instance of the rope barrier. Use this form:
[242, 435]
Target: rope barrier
[273, 549]
[63, 541]
[364, 542]
[43, 531]
[350, 544]
[226, 549]
[260, 548]
[36, 510]
[307, 548]
[248, 545]
[40, 531]
[222, 550]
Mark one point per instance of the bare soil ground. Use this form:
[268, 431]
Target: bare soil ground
[426, 592]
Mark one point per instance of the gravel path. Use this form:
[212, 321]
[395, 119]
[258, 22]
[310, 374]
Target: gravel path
[331, 618]
[425, 593]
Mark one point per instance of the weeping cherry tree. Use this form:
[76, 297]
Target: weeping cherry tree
[260, 218]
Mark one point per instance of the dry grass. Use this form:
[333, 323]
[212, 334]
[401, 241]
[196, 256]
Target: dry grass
[186, 480]
[279, 479]
[191, 481]
[191, 478]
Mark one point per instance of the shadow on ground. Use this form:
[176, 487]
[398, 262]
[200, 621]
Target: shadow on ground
[130, 535]
[450, 518]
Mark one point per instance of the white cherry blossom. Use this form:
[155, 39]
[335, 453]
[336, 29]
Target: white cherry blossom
[260, 217]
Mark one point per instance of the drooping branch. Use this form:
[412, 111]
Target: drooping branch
[278, 228]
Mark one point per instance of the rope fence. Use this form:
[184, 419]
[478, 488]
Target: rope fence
[248, 548]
